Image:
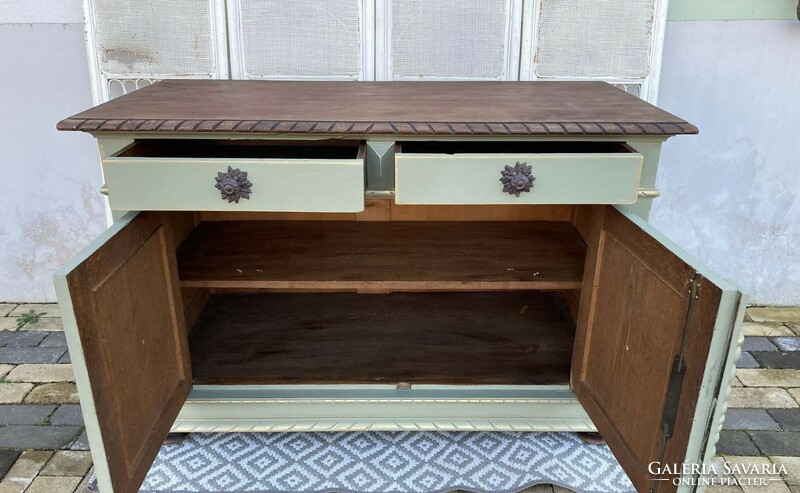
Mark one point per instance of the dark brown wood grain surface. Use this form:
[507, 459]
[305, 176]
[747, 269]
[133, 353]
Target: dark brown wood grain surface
[520, 338]
[392, 256]
[382, 108]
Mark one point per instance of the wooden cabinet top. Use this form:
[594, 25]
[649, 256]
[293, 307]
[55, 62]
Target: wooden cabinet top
[380, 108]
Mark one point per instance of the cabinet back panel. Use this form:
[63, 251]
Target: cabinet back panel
[388, 256]
[511, 338]
[387, 210]
[525, 147]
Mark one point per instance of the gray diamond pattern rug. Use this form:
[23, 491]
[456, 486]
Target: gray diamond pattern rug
[372, 462]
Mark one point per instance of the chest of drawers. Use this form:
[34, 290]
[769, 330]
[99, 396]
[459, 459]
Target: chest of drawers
[306, 256]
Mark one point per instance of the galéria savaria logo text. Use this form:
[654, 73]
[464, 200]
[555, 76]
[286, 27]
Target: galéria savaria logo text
[718, 474]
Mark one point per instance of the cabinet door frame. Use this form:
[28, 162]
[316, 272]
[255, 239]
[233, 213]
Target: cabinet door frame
[702, 423]
[98, 253]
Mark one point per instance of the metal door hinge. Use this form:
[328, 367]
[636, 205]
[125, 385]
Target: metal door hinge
[673, 396]
[694, 289]
[679, 365]
[671, 403]
[675, 386]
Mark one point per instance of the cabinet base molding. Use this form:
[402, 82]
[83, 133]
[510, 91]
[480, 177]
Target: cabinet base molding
[313, 408]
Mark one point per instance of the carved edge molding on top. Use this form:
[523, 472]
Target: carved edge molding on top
[380, 128]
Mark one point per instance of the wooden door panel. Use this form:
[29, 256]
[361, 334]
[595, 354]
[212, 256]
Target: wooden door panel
[123, 296]
[635, 306]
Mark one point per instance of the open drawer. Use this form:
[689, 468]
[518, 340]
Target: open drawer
[201, 175]
[558, 325]
[516, 173]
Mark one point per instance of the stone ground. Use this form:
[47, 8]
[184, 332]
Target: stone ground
[43, 447]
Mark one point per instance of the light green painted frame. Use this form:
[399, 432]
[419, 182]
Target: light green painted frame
[725, 10]
[303, 408]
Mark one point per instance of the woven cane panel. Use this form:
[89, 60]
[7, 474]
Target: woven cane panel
[154, 37]
[594, 38]
[449, 38]
[285, 38]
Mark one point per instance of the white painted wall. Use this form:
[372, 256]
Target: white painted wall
[49, 207]
[40, 12]
[730, 195]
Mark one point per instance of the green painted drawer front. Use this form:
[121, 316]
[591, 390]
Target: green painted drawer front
[562, 178]
[284, 185]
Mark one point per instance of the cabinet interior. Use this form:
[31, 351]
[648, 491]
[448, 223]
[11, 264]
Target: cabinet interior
[519, 147]
[461, 338]
[446, 299]
[240, 149]
[347, 149]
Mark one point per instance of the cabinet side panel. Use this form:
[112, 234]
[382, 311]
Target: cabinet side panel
[181, 224]
[716, 389]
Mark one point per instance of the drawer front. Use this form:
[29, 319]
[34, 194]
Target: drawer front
[313, 185]
[584, 178]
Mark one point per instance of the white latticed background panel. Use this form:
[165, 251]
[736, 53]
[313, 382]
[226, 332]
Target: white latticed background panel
[154, 37]
[594, 38]
[132, 44]
[451, 39]
[297, 39]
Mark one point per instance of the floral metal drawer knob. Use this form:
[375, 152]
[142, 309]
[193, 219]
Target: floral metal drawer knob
[233, 185]
[517, 179]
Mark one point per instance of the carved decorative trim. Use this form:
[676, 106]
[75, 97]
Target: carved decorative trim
[378, 128]
[724, 395]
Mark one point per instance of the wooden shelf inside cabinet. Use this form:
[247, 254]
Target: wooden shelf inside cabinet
[382, 256]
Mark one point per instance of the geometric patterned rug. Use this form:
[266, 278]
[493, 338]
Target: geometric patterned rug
[372, 462]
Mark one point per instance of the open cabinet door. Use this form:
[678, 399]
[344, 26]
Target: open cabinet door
[125, 331]
[643, 366]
